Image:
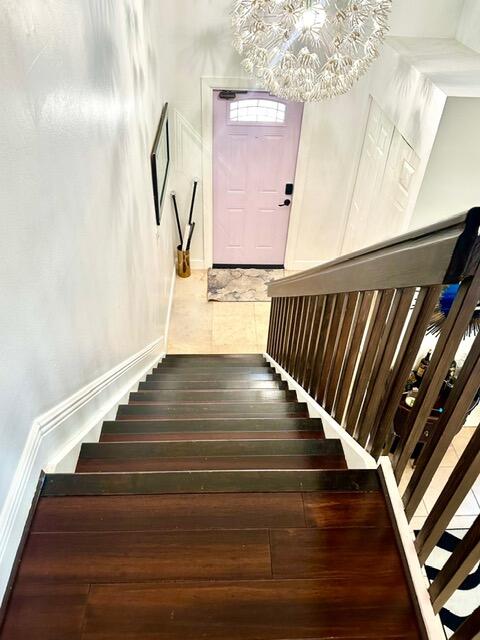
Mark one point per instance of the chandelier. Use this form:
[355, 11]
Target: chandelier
[308, 50]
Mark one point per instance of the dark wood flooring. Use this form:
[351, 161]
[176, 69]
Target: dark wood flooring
[215, 514]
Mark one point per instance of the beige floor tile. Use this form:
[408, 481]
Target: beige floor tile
[235, 331]
[192, 288]
[461, 522]
[417, 522]
[450, 459]
[262, 319]
[462, 439]
[468, 507]
[190, 327]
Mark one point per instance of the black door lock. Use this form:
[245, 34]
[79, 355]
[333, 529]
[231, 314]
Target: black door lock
[289, 189]
[285, 203]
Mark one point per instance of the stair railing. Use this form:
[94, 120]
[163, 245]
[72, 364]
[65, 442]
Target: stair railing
[349, 332]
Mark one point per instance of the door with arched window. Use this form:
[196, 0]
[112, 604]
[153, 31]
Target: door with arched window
[255, 147]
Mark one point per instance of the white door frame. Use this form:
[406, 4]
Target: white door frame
[209, 85]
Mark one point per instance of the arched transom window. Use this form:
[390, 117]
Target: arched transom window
[257, 110]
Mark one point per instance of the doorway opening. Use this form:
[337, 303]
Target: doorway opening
[255, 149]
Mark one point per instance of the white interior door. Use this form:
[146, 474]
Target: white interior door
[255, 147]
[376, 146]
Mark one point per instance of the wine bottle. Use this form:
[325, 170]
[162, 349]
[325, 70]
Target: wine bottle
[422, 367]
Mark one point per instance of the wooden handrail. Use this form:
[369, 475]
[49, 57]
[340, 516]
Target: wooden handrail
[437, 254]
[349, 332]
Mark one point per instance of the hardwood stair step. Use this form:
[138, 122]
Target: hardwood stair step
[211, 375]
[191, 396]
[221, 370]
[233, 428]
[157, 482]
[215, 358]
[212, 364]
[189, 511]
[214, 385]
[213, 410]
[212, 455]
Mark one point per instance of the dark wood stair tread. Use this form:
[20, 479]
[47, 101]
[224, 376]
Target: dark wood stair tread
[216, 369]
[213, 409]
[189, 511]
[212, 455]
[190, 396]
[208, 448]
[59, 484]
[201, 385]
[219, 424]
[236, 374]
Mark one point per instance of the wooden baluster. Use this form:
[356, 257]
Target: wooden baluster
[303, 364]
[299, 356]
[459, 484]
[322, 341]
[341, 350]
[271, 325]
[293, 335]
[314, 340]
[369, 351]
[282, 327]
[381, 374]
[470, 629]
[421, 316]
[298, 332]
[353, 352]
[457, 567]
[373, 384]
[449, 423]
[286, 332]
[451, 334]
[278, 327]
[331, 339]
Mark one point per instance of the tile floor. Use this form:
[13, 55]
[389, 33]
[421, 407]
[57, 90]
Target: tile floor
[199, 326]
[470, 507]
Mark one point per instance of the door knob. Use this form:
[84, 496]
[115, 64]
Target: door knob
[285, 203]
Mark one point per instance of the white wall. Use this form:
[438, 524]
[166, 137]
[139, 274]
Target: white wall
[84, 276]
[469, 25]
[451, 183]
[200, 45]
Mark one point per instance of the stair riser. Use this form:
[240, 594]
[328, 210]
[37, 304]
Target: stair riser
[206, 410]
[200, 364]
[210, 482]
[205, 449]
[211, 464]
[209, 385]
[229, 395]
[212, 435]
[215, 369]
[210, 376]
[232, 425]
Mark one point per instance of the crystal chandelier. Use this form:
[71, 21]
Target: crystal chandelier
[308, 50]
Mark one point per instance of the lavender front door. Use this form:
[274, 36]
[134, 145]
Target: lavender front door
[255, 146]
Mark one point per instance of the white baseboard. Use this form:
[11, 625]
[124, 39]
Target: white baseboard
[432, 622]
[56, 436]
[301, 265]
[197, 263]
[357, 457]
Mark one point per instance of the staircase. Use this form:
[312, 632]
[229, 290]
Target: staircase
[213, 507]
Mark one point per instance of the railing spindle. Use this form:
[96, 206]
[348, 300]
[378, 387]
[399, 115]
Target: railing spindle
[452, 332]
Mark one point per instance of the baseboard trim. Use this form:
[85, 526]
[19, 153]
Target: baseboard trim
[55, 433]
[197, 263]
[357, 457]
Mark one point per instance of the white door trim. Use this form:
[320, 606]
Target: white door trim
[208, 86]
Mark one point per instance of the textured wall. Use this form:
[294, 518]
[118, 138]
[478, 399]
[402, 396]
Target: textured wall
[84, 278]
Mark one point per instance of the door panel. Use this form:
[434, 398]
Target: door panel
[376, 146]
[253, 161]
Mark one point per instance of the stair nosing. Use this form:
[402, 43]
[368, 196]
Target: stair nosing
[239, 481]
